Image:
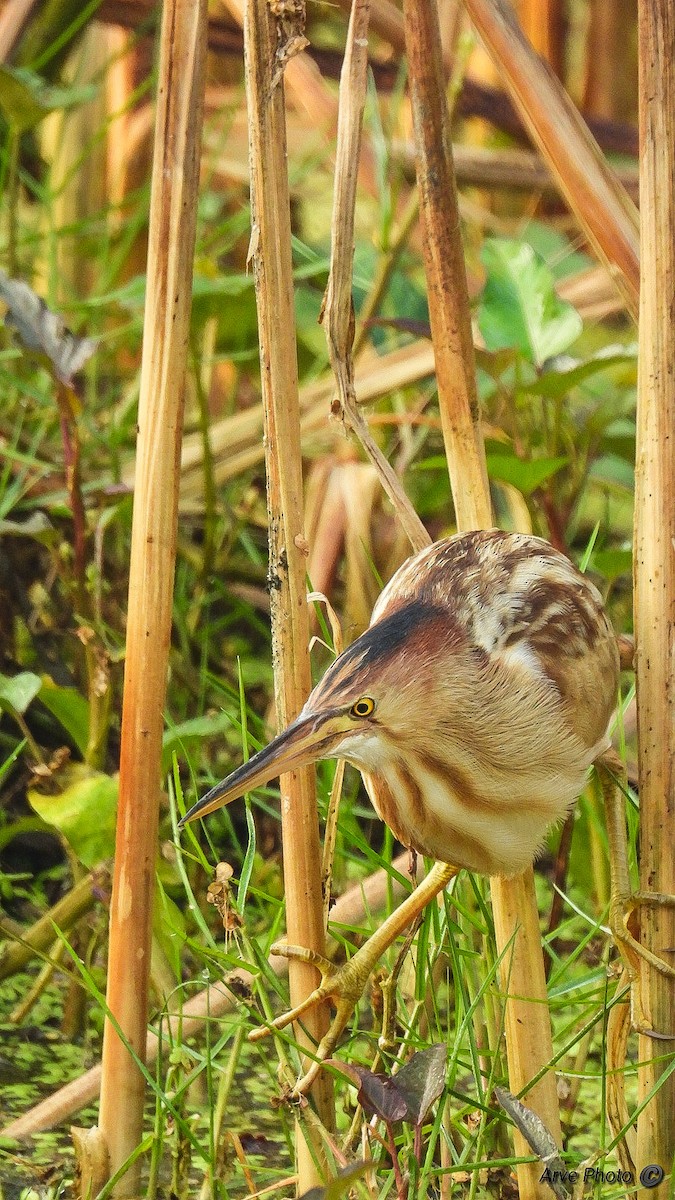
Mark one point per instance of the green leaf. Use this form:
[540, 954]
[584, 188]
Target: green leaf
[6, 766]
[612, 563]
[622, 428]
[435, 462]
[520, 307]
[612, 469]
[556, 250]
[555, 383]
[17, 691]
[84, 812]
[26, 99]
[524, 474]
[168, 926]
[181, 736]
[70, 709]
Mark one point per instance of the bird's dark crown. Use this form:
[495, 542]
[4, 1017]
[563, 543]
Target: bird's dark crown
[412, 628]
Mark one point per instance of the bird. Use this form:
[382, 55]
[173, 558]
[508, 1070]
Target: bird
[474, 706]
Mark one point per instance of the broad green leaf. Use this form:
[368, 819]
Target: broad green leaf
[612, 469]
[520, 307]
[70, 709]
[17, 691]
[524, 474]
[622, 428]
[25, 99]
[84, 812]
[612, 563]
[554, 383]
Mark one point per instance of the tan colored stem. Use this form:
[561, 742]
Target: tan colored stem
[338, 314]
[528, 1029]
[273, 273]
[654, 566]
[449, 311]
[529, 1044]
[13, 20]
[603, 208]
[173, 207]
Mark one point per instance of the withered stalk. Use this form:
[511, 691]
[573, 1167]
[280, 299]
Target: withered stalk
[528, 1029]
[273, 274]
[654, 571]
[173, 207]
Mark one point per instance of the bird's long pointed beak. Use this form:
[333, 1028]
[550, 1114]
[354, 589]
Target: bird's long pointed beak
[305, 740]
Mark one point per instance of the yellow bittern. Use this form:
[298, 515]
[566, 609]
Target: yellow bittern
[473, 706]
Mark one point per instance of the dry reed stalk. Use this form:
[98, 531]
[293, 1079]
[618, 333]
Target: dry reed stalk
[236, 440]
[507, 167]
[13, 20]
[175, 179]
[602, 207]
[303, 82]
[119, 88]
[610, 62]
[516, 918]
[543, 27]
[448, 298]
[385, 21]
[655, 570]
[338, 311]
[273, 274]
[79, 184]
[592, 293]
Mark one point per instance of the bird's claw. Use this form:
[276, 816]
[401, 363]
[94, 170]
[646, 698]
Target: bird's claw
[344, 985]
[631, 950]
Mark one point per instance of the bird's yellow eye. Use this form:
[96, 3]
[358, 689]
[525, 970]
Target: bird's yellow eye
[363, 707]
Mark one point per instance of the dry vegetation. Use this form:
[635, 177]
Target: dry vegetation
[271, 460]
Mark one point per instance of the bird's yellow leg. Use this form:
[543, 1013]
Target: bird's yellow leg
[623, 901]
[346, 984]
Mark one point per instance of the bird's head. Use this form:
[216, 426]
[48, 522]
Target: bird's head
[368, 703]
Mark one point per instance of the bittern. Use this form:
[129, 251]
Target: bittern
[474, 706]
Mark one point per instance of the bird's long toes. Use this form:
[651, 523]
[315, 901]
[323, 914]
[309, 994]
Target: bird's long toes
[303, 954]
